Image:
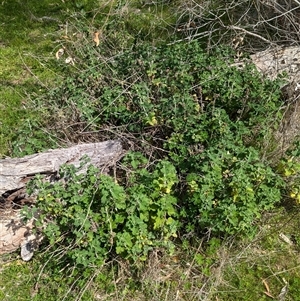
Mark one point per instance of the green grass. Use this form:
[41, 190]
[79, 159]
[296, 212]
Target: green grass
[26, 47]
[14, 275]
[265, 258]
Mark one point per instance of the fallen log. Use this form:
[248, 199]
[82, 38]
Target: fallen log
[16, 172]
[275, 61]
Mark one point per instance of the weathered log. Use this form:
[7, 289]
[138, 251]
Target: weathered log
[14, 173]
[275, 61]
[13, 231]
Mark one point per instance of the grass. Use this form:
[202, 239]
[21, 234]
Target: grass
[25, 49]
[262, 266]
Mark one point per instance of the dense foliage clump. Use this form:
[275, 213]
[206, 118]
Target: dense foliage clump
[195, 127]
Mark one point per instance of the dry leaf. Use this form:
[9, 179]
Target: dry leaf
[285, 239]
[59, 53]
[269, 295]
[70, 60]
[283, 291]
[164, 278]
[266, 285]
[97, 35]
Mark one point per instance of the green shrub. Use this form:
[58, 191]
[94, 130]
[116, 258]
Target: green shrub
[229, 186]
[289, 169]
[93, 217]
[172, 83]
[199, 122]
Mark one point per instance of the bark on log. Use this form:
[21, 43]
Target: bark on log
[13, 232]
[14, 173]
[275, 61]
